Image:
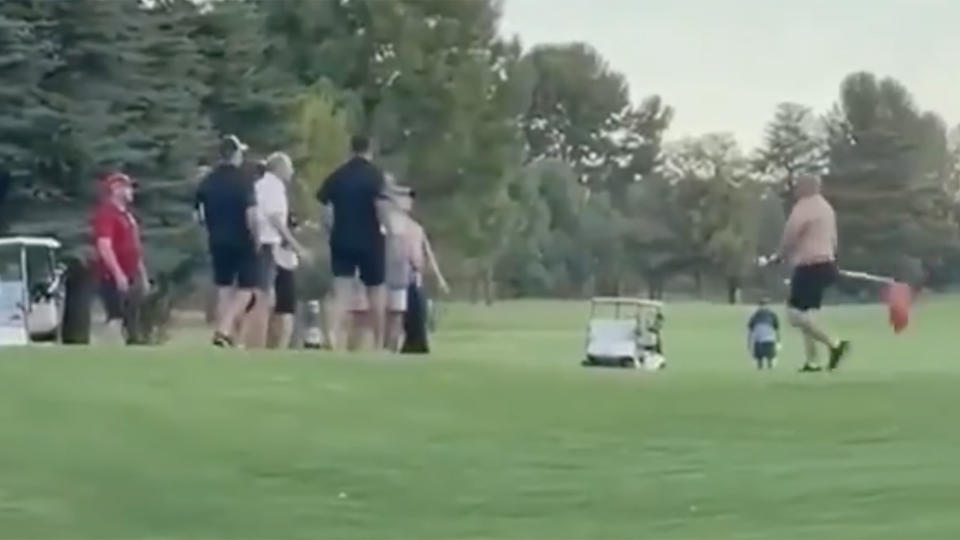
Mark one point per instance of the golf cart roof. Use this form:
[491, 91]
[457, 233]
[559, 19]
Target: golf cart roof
[30, 241]
[627, 301]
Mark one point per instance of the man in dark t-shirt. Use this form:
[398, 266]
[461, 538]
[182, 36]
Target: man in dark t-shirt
[227, 207]
[355, 193]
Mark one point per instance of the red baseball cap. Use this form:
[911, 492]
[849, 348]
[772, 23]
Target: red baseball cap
[110, 181]
[117, 178]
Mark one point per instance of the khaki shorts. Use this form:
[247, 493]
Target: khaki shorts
[397, 300]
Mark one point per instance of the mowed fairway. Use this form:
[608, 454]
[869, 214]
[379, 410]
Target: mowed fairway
[500, 434]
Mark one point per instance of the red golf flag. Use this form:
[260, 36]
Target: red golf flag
[899, 298]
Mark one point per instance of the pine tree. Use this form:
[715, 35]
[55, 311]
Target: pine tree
[888, 167]
[24, 58]
[793, 147]
[247, 96]
[25, 117]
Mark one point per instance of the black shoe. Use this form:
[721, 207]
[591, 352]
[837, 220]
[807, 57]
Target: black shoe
[810, 368]
[838, 353]
[222, 340]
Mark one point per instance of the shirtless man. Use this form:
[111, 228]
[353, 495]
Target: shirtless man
[809, 246]
[409, 256]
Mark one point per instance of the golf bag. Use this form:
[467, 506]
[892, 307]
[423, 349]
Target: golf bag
[415, 322]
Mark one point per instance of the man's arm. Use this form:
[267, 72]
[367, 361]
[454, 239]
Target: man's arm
[198, 213]
[325, 197]
[434, 266]
[382, 205]
[109, 258]
[276, 219]
[326, 218]
[144, 275]
[325, 193]
[382, 202]
[103, 229]
[835, 234]
[253, 224]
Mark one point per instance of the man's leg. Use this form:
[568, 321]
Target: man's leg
[224, 299]
[256, 320]
[377, 302]
[280, 331]
[358, 327]
[394, 336]
[113, 333]
[280, 326]
[342, 300]
[806, 296]
[247, 270]
[225, 262]
[810, 351]
[373, 275]
[235, 306]
[396, 308]
[813, 335]
[803, 320]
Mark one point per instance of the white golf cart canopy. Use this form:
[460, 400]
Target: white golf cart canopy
[30, 241]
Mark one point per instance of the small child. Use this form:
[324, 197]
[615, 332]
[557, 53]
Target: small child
[763, 336]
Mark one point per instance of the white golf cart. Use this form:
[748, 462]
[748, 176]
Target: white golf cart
[630, 338]
[31, 298]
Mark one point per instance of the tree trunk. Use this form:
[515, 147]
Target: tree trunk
[489, 292]
[733, 290]
[474, 289]
[655, 286]
[698, 283]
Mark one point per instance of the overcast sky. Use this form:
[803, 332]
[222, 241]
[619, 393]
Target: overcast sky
[725, 64]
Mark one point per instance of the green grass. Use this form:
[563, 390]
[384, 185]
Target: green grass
[500, 434]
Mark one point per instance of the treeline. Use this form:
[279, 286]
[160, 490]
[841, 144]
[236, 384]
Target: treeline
[537, 174]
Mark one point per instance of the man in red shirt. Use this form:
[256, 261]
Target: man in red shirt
[119, 256]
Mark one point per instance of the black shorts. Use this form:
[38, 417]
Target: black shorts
[114, 302]
[809, 283]
[285, 288]
[764, 350]
[235, 266]
[370, 262]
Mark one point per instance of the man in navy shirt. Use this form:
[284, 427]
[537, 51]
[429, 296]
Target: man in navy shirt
[227, 206]
[355, 192]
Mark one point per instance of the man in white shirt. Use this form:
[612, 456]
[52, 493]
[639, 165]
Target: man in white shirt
[272, 234]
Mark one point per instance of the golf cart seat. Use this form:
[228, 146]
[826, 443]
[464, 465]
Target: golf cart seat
[612, 338]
